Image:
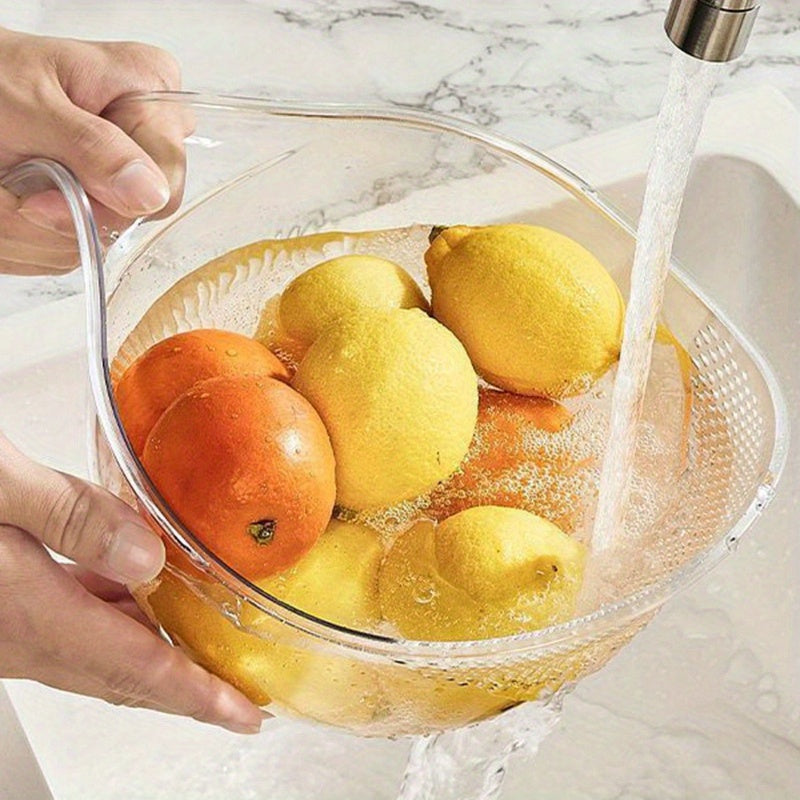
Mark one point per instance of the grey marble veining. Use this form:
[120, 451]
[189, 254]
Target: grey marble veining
[541, 72]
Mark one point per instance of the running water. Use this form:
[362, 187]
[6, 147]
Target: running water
[470, 763]
[680, 119]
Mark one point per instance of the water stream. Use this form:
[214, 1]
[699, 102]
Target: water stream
[680, 119]
[470, 764]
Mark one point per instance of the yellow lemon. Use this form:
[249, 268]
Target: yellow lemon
[485, 572]
[341, 287]
[536, 311]
[337, 580]
[189, 611]
[416, 599]
[399, 397]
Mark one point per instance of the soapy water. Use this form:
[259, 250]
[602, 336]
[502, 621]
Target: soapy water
[554, 475]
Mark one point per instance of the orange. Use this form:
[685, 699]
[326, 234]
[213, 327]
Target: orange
[166, 370]
[517, 458]
[246, 464]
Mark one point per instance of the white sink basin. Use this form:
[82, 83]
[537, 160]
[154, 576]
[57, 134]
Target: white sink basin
[704, 703]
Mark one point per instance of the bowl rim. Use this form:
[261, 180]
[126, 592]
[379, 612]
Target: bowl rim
[608, 617]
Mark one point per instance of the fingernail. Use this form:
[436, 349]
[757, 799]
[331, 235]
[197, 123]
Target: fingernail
[140, 188]
[234, 712]
[41, 220]
[135, 554]
[237, 727]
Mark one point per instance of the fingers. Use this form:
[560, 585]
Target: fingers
[49, 210]
[160, 129]
[59, 103]
[29, 244]
[111, 167]
[77, 519]
[110, 592]
[152, 134]
[57, 633]
[101, 587]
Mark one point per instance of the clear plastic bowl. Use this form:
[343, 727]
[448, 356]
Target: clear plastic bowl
[260, 171]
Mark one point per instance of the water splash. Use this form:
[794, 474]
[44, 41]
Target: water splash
[680, 119]
[470, 763]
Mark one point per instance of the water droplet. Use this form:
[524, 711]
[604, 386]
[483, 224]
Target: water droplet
[231, 352]
[425, 594]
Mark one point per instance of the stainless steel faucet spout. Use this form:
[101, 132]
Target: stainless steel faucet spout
[712, 30]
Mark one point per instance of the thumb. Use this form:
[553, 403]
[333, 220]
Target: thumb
[77, 519]
[112, 168]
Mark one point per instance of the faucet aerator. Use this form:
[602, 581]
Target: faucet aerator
[711, 30]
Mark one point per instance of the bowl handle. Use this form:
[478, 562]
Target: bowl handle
[40, 174]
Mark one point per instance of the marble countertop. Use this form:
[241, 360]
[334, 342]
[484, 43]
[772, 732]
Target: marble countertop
[544, 73]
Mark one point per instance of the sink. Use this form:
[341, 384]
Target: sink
[704, 703]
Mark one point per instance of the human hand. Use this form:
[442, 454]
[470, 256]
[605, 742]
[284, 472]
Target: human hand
[76, 628]
[57, 101]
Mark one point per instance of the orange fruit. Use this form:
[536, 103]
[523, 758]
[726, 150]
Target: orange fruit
[519, 458]
[166, 370]
[246, 464]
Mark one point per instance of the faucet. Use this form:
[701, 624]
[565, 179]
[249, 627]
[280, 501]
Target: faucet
[711, 30]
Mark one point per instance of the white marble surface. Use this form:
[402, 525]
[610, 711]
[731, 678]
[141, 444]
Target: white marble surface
[542, 72]
[545, 73]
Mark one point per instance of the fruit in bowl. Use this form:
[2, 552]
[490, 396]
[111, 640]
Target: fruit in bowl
[369, 480]
[399, 397]
[242, 458]
[487, 572]
[536, 311]
[526, 453]
[174, 365]
[336, 580]
[342, 287]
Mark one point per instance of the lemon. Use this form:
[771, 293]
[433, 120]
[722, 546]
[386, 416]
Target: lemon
[416, 599]
[495, 553]
[485, 572]
[399, 397]
[337, 580]
[342, 287]
[536, 311]
[189, 611]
